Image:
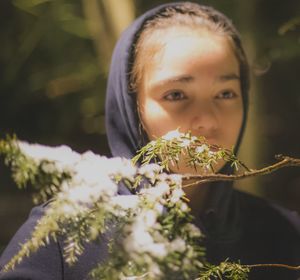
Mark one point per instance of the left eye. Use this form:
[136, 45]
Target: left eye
[174, 96]
[227, 94]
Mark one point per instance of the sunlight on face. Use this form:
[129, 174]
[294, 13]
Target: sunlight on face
[192, 84]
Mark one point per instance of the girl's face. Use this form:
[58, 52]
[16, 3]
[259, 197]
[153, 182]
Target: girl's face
[192, 83]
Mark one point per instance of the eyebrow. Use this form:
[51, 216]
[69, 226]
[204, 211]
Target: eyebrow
[177, 79]
[189, 78]
[229, 77]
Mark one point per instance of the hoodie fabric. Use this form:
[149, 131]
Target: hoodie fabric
[238, 226]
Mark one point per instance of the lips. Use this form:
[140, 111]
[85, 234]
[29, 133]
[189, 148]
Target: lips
[214, 147]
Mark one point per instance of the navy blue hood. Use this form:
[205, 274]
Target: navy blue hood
[122, 122]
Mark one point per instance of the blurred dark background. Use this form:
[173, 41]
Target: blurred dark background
[54, 60]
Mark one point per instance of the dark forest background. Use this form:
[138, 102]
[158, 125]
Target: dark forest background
[54, 60]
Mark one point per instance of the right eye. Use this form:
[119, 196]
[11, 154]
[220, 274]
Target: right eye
[175, 96]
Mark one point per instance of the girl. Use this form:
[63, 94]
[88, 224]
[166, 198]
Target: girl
[182, 65]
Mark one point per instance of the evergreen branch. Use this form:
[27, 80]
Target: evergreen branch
[46, 228]
[42, 175]
[196, 152]
[81, 217]
[24, 169]
[284, 161]
[235, 270]
[225, 270]
[74, 222]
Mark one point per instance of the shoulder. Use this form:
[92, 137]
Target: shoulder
[39, 264]
[271, 234]
[23, 233]
[266, 213]
[48, 261]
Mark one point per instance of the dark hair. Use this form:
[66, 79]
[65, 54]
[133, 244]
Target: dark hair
[187, 14]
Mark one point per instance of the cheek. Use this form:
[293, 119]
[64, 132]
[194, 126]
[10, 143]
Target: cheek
[151, 110]
[231, 126]
[156, 120]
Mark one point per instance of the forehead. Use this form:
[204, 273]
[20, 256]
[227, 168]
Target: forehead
[181, 51]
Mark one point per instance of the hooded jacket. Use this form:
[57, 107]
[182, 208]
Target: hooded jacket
[238, 226]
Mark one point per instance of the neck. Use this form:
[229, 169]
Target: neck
[197, 196]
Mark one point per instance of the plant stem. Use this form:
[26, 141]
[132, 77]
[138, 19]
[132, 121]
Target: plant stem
[284, 161]
[273, 265]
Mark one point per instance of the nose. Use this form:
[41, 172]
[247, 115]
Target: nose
[204, 121]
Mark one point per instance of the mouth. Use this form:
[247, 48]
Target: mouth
[214, 147]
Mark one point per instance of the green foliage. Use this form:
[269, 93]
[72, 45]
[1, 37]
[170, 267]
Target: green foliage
[74, 224]
[197, 152]
[24, 170]
[226, 270]
[153, 232]
[147, 266]
[41, 175]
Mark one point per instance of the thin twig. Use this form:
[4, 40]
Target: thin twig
[273, 265]
[284, 161]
